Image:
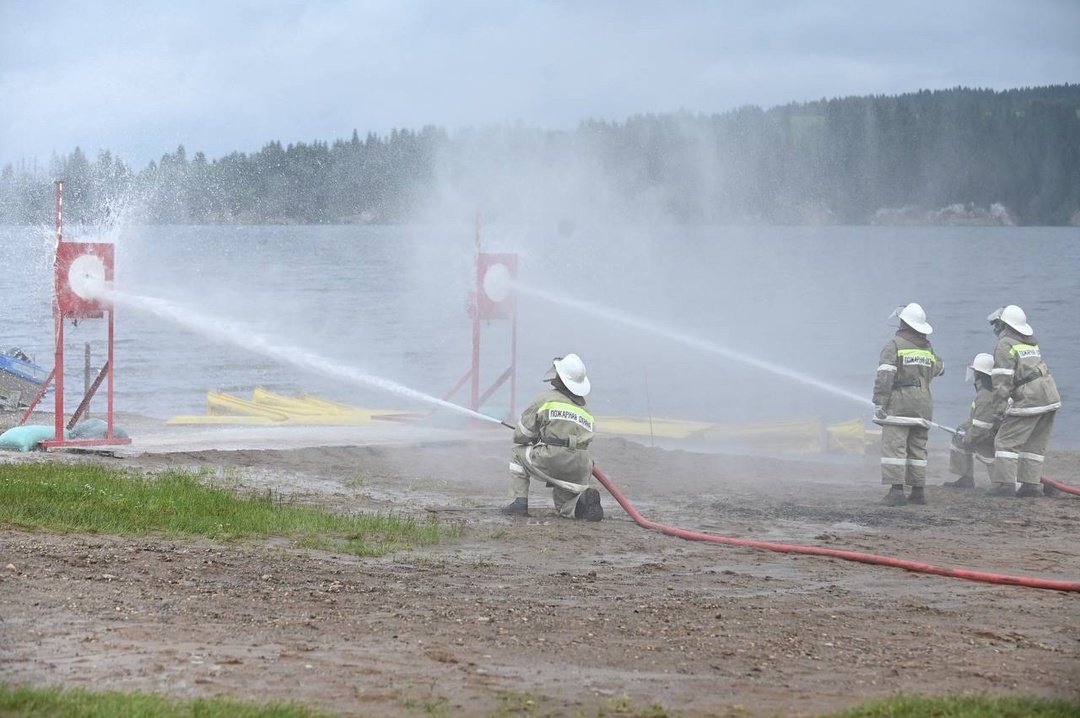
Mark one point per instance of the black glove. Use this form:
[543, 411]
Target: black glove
[879, 412]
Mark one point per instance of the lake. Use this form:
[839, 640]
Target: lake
[723, 324]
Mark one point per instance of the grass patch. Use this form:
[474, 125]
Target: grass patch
[962, 707]
[78, 703]
[87, 498]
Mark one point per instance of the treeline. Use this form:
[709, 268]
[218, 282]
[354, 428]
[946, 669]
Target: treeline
[1013, 155]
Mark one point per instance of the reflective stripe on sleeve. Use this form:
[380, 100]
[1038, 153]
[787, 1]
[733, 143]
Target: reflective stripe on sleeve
[517, 468]
[982, 424]
[526, 431]
[886, 367]
[1003, 371]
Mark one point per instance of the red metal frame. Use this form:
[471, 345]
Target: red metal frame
[483, 308]
[68, 305]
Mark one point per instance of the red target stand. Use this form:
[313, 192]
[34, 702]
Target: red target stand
[492, 299]
[83, 276]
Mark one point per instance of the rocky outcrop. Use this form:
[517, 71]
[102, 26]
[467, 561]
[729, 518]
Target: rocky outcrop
[996, 215]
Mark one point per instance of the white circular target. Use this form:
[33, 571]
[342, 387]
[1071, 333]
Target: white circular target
[497, 282]
[86, 276]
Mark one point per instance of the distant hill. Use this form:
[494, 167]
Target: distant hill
[949, 156]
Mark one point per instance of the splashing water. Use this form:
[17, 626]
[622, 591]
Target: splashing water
[223, 331]
[636, 323]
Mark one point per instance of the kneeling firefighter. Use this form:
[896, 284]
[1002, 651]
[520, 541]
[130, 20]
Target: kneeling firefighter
[975, 437]
[551, 444]
[903, 405]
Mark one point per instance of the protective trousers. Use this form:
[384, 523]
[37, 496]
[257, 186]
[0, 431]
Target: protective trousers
[962, 461]
[903, 454]
[1020, 448]
[521, 470]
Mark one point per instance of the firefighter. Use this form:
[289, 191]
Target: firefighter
[1025, 401]
[903, 405]
[551, 444]
[975, 437]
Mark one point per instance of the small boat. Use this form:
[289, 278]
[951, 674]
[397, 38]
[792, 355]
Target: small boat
[20, 379]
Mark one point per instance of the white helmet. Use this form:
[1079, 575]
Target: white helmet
[983, 363]
[914, 316]
[1013, 316]
[571, 370]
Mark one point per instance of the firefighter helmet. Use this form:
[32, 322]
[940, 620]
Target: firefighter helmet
[1013, 316]
[982, 363]
[571, 370]
[914, 316]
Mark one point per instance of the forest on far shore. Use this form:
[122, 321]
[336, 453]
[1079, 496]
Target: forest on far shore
[952, 156]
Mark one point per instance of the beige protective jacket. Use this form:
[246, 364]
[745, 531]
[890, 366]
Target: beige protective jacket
[559, 427]
[902, 385]
[1020, 374]
[981, 425]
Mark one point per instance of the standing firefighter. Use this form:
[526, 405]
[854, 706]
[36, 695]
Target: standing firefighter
[1025, 400]
[551, 444]
[903, 405]
[975, 437]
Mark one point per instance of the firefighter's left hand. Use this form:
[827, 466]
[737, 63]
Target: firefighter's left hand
[879, 412]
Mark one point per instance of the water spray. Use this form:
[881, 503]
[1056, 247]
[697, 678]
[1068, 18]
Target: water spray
[708, 346]
[226, 332]
[711, 347]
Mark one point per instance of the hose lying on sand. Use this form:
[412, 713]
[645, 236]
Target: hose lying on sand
[1060, 486]
[997, 578]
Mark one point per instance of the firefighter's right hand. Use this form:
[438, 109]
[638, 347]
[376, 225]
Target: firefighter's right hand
[879, 412]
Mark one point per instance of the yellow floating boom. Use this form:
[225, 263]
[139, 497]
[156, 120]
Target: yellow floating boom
[266, 408]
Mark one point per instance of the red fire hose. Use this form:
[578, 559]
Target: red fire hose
[847, 555]
[1060, 486]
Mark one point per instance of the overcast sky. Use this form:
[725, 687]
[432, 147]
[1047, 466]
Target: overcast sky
[140, 77]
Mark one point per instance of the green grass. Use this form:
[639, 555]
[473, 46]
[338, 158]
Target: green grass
[80, 703]
[86, 498]
[962, 707]
[56, 703]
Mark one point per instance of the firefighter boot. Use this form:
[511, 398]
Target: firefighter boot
[918, 495]
[1004, 488]
[1027, 491]
[1049, 490]
[895, 497]
[964, 482]
[519, 507]
[588, 506]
